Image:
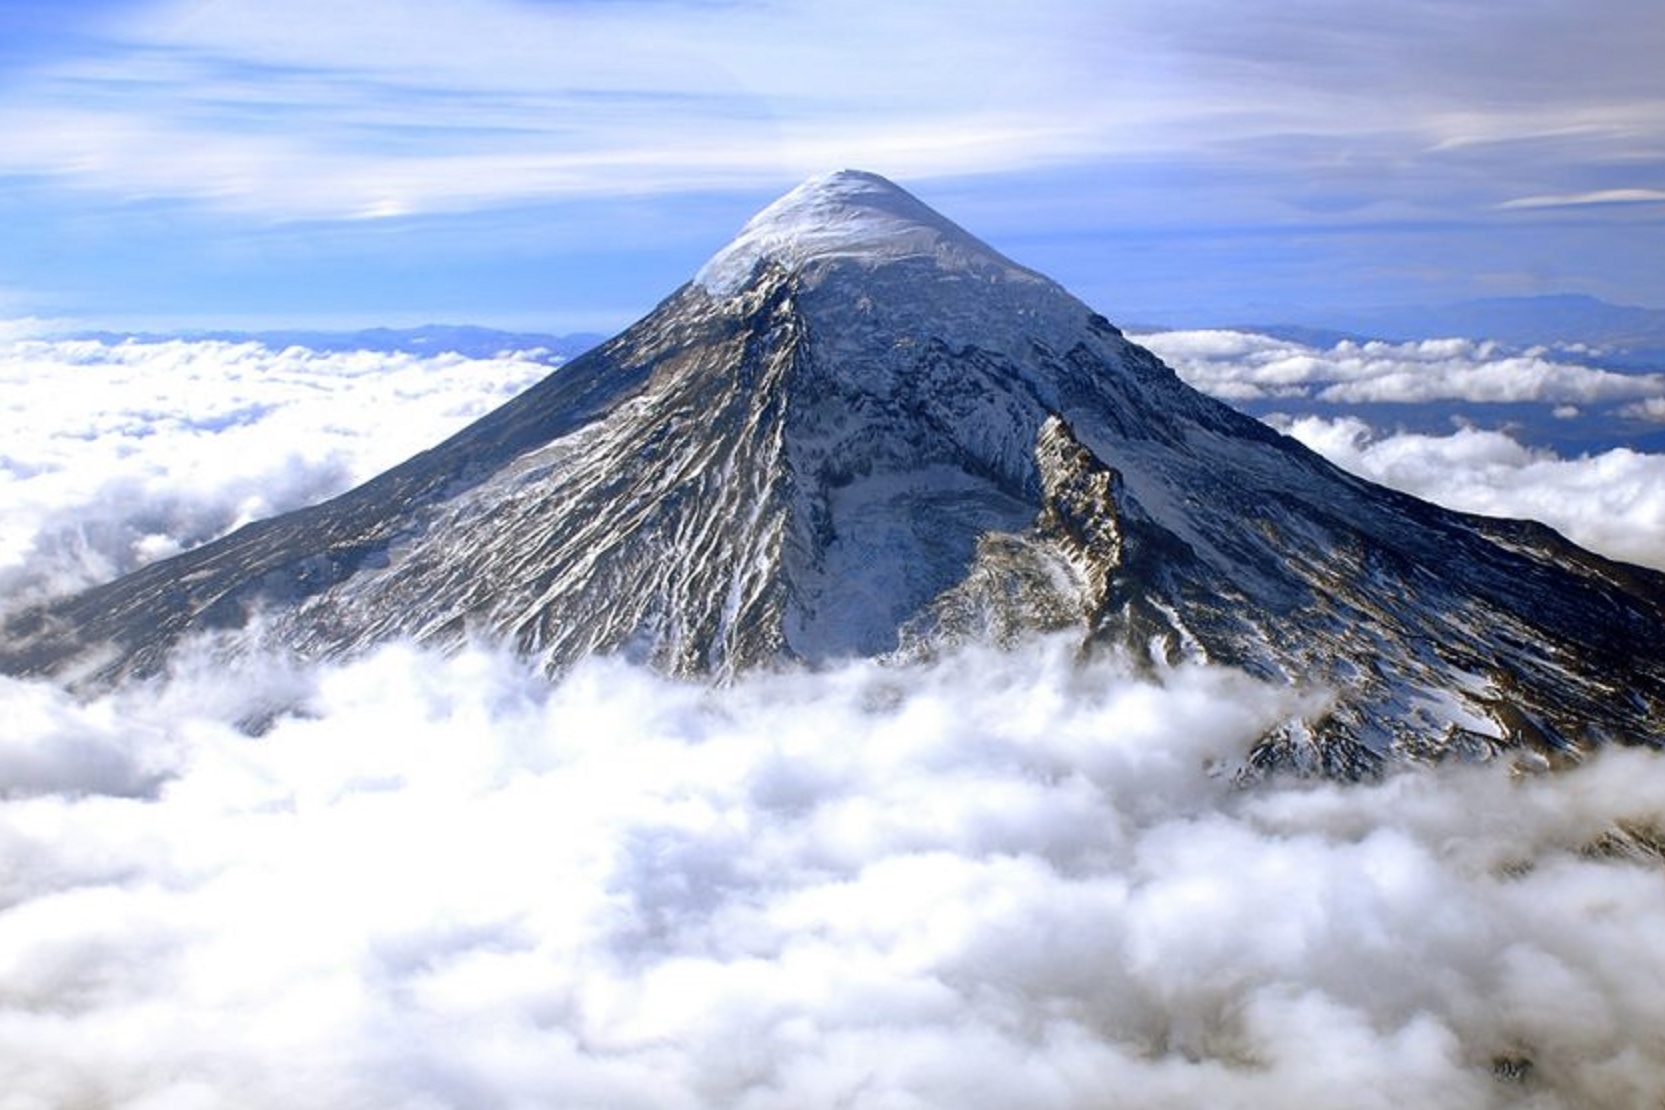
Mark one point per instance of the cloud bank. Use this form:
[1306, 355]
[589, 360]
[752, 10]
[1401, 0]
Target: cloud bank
[423, 881]
[112, 455]
[992, 881]
[1613, 502]
[1244, 366]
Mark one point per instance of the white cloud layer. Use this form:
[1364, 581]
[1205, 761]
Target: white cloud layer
[992, 881]
[1243, 366]
[1613, 502]
[113, 455]
[996, 880]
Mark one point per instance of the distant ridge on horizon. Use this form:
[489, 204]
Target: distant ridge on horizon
[1631, 333]
[469, 340]
[1620, 336]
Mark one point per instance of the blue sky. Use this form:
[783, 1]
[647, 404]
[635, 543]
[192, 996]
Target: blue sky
[562, 165]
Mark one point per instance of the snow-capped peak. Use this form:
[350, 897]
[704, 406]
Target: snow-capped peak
[847, 214]
[885, 437]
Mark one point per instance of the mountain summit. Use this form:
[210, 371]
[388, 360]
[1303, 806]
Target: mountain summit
[861, 431]
[850, 215]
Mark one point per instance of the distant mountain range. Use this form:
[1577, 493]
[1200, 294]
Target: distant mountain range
[1612, 336]
[1596, 332]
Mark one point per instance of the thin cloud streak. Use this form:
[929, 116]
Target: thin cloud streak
[529, 103]
[1578, 200]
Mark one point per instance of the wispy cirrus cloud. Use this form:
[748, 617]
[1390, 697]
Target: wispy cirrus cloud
[408, 107]
[1580, 200]
[1171, 161]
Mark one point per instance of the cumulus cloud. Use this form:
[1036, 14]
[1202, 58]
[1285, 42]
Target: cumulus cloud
[114, 454]
[1652, 409]
[1243, 366]
[1613, 502]
[988, 881]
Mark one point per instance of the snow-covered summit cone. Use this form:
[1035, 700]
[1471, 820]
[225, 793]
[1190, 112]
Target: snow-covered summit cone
[865, 238]
[851, 215]
[860, 430]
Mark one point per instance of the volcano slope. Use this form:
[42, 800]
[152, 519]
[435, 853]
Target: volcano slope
[861, 431]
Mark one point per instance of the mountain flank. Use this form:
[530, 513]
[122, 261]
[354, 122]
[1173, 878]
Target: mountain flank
[860, 431]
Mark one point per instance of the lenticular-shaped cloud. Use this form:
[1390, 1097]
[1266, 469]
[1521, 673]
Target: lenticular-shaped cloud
[995, 880]
[1613, 502]
[1242, 366]
[114, 455]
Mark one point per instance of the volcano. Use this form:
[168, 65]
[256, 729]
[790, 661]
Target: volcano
[860, 431]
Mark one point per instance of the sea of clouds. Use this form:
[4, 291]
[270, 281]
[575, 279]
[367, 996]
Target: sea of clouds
[414, 880]
[1237, 365]
[115, 454]
[1611, 501]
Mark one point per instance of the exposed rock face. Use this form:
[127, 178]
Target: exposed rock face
[1080, 510]
[860, 430]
